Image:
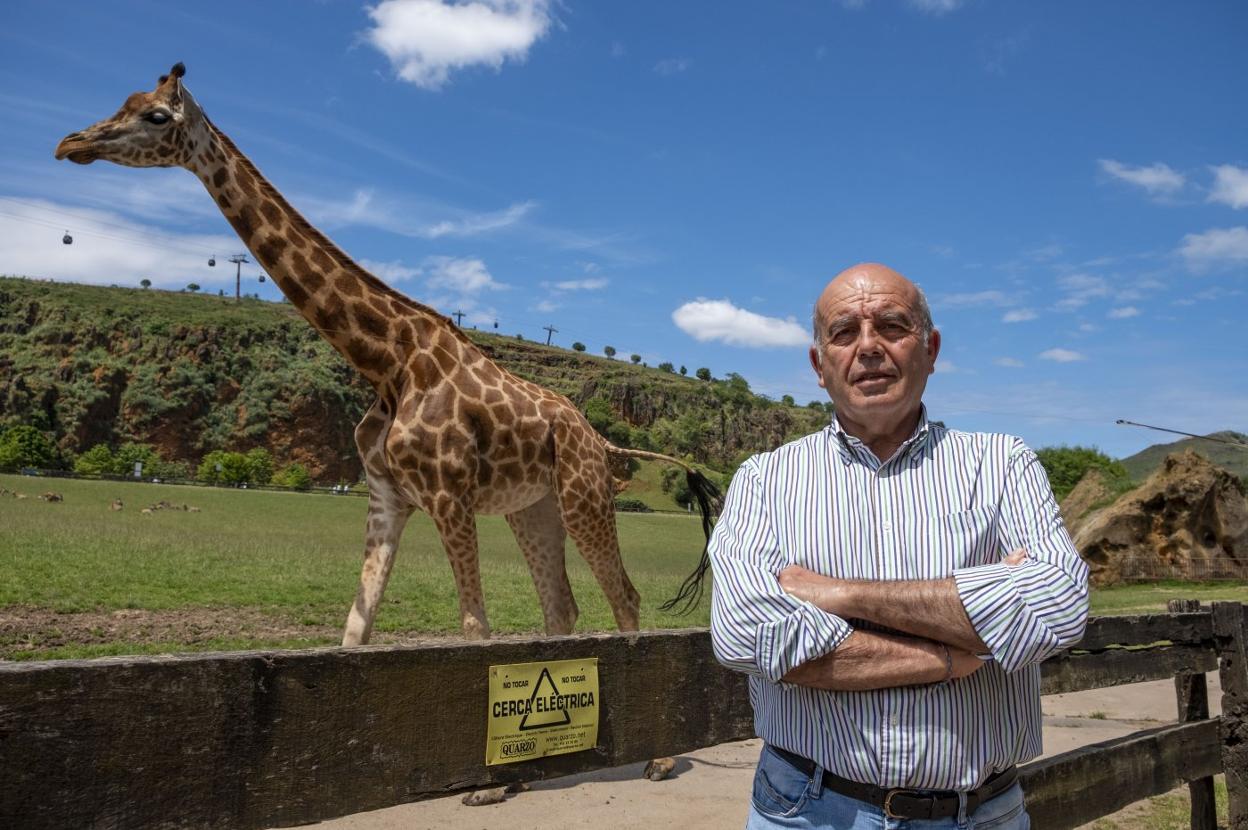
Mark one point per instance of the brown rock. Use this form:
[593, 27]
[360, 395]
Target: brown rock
[1077, 507]
[1189, 520]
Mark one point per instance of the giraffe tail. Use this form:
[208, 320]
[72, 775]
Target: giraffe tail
[710, 501]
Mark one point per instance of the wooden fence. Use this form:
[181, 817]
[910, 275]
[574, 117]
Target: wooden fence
[266, 739]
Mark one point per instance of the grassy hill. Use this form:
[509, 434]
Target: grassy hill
[1235, 459]
[193, 373]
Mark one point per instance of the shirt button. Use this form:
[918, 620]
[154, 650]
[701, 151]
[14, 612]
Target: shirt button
[886, 525]
[895, 720]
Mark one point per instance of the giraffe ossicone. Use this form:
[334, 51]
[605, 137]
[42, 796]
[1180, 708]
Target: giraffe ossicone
[450, 433]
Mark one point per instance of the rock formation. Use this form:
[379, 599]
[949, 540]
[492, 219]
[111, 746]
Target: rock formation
[1189, 520]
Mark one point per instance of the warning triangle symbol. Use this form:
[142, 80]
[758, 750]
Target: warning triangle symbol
[536, 720]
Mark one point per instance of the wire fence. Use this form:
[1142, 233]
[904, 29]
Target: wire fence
[1181, 568]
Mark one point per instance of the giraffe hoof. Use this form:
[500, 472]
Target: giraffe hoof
[659, 768]
[480, 798]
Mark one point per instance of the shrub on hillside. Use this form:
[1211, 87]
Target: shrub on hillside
[1066, 465]
[101, 460]
[632, 506]
[25, 446]
[293, 476]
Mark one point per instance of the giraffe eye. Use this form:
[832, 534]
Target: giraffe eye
[156, 117]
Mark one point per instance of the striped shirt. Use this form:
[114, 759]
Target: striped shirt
[947, 503]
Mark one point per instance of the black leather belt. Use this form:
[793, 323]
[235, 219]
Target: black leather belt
[902, 802]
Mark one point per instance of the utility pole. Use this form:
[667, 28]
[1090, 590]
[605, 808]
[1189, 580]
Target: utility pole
[459, 315]
[238, 260]
[549, 331]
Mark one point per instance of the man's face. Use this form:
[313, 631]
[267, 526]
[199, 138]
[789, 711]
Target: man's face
[871, 356]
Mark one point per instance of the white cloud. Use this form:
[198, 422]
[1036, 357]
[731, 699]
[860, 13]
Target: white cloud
[477, 223]
[1088, 328]
[720, 320]
[391, 272]
[1157, 178]
[1020, 315]
[1215, 247]
[426, 40]
[1061, 356]
[1079, 289]
[107, 248]
[591, 284]
[467, 276]
[1230, 186]
[936, 7]
[976, 298]
[1009, 362]
[948, 367]
[1123, 313]
[546, 306]
[672, 66]
[365, 208]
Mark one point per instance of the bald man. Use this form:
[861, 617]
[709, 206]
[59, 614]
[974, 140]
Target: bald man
[891, 586]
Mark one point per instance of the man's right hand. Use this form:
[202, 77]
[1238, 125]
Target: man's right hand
[965, 663]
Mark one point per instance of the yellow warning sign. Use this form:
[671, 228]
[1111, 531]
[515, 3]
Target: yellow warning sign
[540, 709]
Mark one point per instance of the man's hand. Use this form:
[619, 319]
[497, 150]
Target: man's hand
[817, 589]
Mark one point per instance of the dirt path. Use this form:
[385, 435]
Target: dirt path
[710, 787]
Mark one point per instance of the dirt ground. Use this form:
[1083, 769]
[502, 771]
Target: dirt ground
[710, 788]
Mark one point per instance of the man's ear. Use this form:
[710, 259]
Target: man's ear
[816, 363]
[933, 348]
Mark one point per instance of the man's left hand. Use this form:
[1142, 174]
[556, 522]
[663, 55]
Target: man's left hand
[822, 591]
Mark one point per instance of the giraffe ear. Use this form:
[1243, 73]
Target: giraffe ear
[178, 70]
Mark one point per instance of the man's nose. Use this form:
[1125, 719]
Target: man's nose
[868, 340]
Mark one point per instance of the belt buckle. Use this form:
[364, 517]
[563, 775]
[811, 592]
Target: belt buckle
[888, 801]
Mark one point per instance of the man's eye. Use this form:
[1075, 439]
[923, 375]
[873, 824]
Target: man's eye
[156, 117]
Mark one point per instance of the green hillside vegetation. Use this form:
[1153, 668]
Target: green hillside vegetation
[1234, 459]
[189, 374]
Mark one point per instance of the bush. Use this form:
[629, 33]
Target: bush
[609, 351]
[1066, 465]
[96, 461]
[25, 446]
[293, 476]
[259, 466]
[578, 346]
[703, 373]
[632, 506]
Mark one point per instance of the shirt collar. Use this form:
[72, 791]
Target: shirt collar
[849, 446]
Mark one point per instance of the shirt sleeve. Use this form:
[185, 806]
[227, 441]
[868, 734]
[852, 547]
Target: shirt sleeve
[1026, 612]
[756, 627]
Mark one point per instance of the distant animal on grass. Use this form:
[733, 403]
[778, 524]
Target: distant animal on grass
[450, 433]
[50, 496]
[116, 505]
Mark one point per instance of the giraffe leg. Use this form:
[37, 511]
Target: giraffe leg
[539, 531]
[457, 524]
[587, 500]
[386, 520]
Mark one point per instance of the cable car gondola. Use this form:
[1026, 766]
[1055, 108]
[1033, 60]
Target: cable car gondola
[262, 278]
[212, 261]
[67, 239]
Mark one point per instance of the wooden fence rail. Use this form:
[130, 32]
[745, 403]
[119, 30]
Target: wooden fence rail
[266, 739]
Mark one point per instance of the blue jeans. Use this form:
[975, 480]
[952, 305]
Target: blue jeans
[785, 797]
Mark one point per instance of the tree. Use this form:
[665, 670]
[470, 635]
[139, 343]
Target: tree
[703, 373]
[683, 371]
[259, 466]
[578, 346]
[609, 351]
[145, 283]
[25, 446]
[598, 413]
[192, 287]
[1067, 465]
[636, 358]
[787, 400]
[667, 367]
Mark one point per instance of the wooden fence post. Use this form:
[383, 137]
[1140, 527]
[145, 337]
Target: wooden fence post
[1192, 693]
[1229, 630]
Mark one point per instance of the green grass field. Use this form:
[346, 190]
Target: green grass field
[295, 558]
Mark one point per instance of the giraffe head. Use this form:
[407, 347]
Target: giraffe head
[152, 129]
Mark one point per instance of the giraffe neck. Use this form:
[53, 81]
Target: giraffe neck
[370, 324]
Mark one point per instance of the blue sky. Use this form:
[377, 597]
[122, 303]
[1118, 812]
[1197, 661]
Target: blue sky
[1067, 181]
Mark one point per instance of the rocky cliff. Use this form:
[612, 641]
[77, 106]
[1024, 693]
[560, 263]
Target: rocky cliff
[1189, 520]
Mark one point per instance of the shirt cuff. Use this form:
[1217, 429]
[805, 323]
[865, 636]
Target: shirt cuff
[992, 604]
[804, 635]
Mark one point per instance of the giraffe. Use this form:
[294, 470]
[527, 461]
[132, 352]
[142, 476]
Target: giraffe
[450, 433]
